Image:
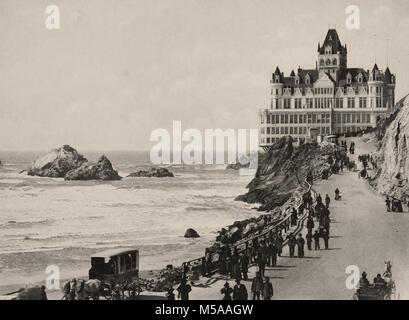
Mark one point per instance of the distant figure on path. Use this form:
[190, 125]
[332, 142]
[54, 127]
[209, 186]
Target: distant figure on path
[267, 291]
[388, 204]
[317, 240]
[257, 286]
[337, 194]
[240, 291]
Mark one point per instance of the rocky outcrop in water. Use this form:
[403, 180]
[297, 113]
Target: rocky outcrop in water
[67, 163]
[284, 168]
[101, 170]
[152, 172]
[392, 175]
[191, 233]
[57, 163]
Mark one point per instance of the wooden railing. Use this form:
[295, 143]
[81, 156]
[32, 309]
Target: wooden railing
[275, 227]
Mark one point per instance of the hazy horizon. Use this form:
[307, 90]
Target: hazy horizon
[116, 71]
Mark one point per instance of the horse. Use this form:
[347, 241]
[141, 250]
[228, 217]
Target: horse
[388, 270]
[82, 289]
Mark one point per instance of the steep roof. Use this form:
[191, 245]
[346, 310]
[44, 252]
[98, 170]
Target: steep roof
[332, 40]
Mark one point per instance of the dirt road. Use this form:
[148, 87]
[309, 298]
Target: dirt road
[362, 234]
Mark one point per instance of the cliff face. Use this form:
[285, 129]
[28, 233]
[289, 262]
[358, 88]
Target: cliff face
[391, 177]
[283, 169]
[385, 120]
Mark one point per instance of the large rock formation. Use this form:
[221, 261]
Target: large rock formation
[56, 163]
[392, 175]
[102, 170]
[284, 168]
[67, 163]
[152, 172]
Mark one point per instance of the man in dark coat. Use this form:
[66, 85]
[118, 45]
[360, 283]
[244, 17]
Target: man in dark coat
[300, 246]
[308, 237]
[388, 204]
[240, 291]
[226, 291]
[317, 240]
[257, 286]
[326, 238]
[291, 244]
[273, 253]
[244, 264]
[310, 224]
[261, 261]
[327, 201]
[267, 291]
[279, 244]
[183, 290]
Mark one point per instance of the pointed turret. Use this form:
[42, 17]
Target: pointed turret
[292, 74]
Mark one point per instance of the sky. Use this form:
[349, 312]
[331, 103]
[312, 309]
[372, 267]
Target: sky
[118, 69]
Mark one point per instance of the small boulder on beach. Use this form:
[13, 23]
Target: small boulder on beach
[152, 172]
[191, 233]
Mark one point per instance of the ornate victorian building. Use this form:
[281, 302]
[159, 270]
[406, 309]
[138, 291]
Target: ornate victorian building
[330, 99]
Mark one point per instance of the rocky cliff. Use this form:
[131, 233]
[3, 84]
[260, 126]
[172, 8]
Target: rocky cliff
[391, 177]
[284, 168]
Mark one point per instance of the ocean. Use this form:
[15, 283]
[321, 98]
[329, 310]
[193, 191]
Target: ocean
[49, 221]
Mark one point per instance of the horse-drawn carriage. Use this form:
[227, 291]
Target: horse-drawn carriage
[118, 271]
[114, 275]
[375, 292]
[383, 288]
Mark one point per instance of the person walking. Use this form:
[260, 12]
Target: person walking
[279, 243]
[326, 238]
[226, 291]
[240, 291]
[327, 201]
[317, 240]
[300, 246]
[388, 204]
[257, 286]
[291, 244]
[310, 224]
[273, 254]
[183, 290]
[261, 261]
[308, 237]
[244, 264]
[267, 291]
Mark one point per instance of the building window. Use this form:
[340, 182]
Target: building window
[339, 103]
[297, 102]
[287, 103]
[351, 103]
[277, 118]
[362, 102]
[268, 130]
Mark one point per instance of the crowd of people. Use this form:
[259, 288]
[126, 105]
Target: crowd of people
[264, 251]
